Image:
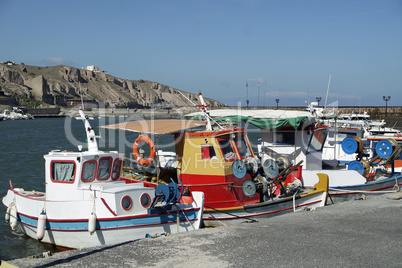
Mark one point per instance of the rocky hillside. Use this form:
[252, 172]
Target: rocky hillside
[60, 85]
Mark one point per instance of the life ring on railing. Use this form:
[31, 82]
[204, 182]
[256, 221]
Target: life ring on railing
[142, 161]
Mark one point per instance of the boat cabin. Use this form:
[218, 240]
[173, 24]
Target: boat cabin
[294, 135]
[78, 176]
[207, 161]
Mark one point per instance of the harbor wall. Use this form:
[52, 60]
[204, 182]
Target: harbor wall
[375, 112]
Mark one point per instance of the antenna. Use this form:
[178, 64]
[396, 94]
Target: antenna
[265, 90]
[203, 109]
[326, 97]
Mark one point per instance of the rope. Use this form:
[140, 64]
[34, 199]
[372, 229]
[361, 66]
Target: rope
[294, 200]
[396, 186]
[182, 211]
[230, 214]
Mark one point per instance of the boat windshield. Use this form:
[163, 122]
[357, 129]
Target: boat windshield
[227, 149]
[242, 147]
[88, 171]
[317, 140]
[116, 169]
[63, 171]
[104, 168]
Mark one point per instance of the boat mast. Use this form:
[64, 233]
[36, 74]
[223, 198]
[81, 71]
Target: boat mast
[91, 136]
[203, 106]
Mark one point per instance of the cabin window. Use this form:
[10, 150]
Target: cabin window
[116, 169]
[242, 147]
[145, 200]
[104, 168]
[63, 171]
[208, 152]
[227, 150]
[88, 171]
[317, 140]
[284, 138]
[126, 202]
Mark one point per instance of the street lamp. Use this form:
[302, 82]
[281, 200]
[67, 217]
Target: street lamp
[277, 101]
[318, 100]
[247, 101]
[386, 99]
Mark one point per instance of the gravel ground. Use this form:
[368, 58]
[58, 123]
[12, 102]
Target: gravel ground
[360, 233]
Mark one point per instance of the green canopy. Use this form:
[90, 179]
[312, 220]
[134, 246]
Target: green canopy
[271, 123]
[265, 119]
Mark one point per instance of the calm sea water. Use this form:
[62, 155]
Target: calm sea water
[22, 146]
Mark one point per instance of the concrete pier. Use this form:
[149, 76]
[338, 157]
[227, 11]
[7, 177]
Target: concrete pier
[360, 233]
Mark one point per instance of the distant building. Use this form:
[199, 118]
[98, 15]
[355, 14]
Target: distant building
[77, 102]
[93, 68]
[9, 63]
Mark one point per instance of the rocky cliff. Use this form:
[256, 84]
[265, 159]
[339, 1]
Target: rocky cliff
[60, 85]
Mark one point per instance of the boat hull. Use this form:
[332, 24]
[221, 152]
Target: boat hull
[66, 225]
[251, 213]
[352, 192]
[308, 200]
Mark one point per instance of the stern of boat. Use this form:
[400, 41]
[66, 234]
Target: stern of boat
[322, 185]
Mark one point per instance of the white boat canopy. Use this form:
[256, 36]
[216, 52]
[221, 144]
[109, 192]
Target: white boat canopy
[265, 119]
[157, 127]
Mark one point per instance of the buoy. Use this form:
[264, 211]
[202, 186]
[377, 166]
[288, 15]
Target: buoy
[92, 223]
[187, 199]
[40, 229]
[13, 217]
[7, 217]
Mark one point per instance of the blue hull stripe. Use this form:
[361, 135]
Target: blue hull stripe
[127, 222]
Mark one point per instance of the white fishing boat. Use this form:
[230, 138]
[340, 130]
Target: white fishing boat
[88, 203]
[15, 114]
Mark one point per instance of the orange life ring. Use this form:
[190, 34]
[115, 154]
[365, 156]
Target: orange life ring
[142, 161]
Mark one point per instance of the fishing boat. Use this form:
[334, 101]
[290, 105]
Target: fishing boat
[372, 173]
[219, 161]
[293, 136]
[15, 114]
[88, 203]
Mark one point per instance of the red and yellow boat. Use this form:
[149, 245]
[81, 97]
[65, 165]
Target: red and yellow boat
[220, 162]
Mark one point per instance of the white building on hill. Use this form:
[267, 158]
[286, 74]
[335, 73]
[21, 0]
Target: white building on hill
[93, 68]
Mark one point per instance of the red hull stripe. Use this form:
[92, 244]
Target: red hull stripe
[107, 206]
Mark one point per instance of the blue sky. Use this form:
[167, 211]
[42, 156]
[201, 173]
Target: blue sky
[288, 47]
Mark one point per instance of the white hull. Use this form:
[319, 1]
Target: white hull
[67, 222]
[266, 209]
[347, 185]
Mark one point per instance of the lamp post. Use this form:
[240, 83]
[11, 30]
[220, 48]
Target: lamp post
[386, 99]
[247, 101]
[318, 100]
[277, 102]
